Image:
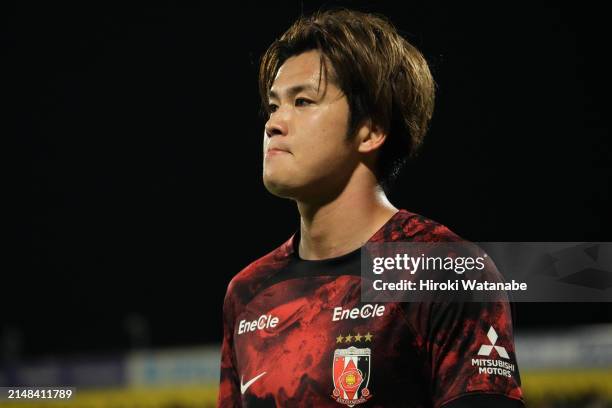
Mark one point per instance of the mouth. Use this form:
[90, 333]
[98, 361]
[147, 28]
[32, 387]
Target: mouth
[275, 151]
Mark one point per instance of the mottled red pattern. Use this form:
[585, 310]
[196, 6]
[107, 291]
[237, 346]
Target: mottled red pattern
[421, 353]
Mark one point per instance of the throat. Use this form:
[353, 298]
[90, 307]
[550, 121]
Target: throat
[335, 234]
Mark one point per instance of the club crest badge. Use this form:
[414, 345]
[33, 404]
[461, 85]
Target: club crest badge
[351, 370]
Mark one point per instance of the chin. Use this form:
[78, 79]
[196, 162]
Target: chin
[279, 188]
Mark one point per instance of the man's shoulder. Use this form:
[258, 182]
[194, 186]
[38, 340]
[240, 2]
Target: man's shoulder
[250, 278]
[412, 227]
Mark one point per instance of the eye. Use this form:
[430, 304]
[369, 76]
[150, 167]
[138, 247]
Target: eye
[302, 102]
[272, 108]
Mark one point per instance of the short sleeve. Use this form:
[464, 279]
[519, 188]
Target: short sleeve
[472, 351]
[229, 391]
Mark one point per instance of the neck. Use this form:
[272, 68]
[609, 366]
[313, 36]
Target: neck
[344, 224]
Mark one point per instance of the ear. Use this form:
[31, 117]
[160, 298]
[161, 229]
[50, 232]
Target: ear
[370, 136]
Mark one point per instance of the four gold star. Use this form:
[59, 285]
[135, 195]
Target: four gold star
[357, 338]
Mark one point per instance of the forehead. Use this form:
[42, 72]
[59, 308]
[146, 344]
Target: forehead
[305, 68]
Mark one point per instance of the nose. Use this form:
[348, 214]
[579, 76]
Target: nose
[276, 125]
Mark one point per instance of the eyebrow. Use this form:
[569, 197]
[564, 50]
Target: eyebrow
[294, 90]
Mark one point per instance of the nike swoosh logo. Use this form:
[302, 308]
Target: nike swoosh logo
[244, 387]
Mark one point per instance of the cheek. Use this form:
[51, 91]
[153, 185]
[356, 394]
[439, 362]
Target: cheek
[327, 127]
[330, 137]
[325, 153]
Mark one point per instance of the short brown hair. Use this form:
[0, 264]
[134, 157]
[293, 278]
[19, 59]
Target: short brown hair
[384, 77]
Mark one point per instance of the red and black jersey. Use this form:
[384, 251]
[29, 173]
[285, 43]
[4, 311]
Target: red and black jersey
[296, 334]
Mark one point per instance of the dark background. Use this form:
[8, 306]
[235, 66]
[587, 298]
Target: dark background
[139, 195]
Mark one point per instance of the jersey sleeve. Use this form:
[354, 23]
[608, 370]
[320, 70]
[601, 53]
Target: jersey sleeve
[229, 386]
[472, 351]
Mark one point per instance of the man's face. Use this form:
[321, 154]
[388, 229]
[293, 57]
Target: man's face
[306, 152]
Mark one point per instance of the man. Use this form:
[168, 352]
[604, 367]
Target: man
[348, 100]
